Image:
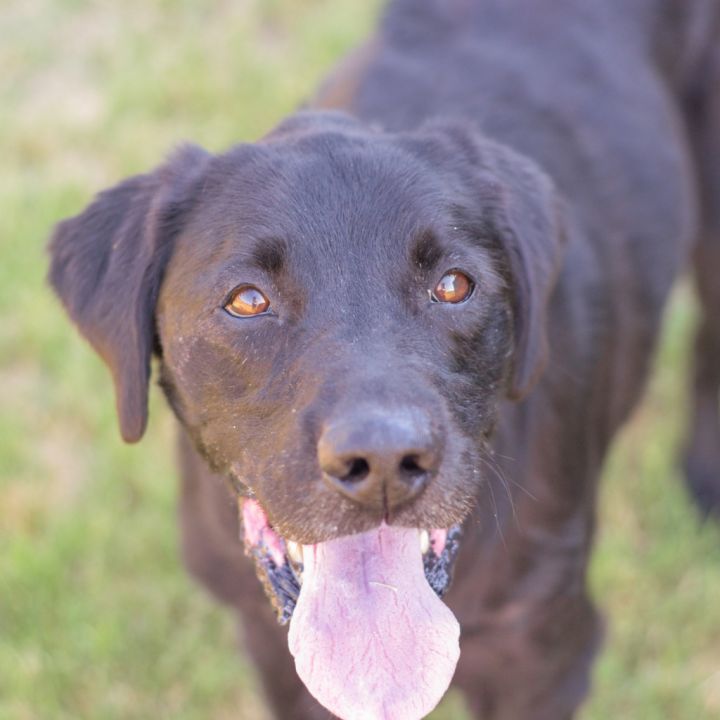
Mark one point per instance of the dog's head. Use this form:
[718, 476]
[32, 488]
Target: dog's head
[336, 311]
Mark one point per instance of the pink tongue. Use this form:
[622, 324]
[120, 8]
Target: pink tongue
[371, 639]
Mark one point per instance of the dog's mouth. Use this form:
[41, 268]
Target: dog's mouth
[279, 563]
[369, 633]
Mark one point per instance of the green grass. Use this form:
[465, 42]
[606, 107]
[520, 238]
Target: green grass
[97, 617]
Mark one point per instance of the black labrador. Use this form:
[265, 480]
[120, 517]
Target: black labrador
[400, 332]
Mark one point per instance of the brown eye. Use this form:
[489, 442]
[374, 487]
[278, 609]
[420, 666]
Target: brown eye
[454, 287]
[247, 301]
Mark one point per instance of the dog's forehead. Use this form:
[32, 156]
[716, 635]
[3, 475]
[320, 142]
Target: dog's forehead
[323, 201]
[325, 188]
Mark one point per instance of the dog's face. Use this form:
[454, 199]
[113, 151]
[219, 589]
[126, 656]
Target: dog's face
[335, 330]
[337, 312]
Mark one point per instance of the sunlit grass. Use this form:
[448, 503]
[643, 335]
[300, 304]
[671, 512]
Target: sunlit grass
[97, 617]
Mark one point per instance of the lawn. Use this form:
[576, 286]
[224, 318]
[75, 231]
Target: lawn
[97, 617]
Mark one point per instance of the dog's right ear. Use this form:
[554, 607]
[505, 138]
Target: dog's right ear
[107, 264]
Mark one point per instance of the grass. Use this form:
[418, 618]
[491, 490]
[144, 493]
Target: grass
[97, 617]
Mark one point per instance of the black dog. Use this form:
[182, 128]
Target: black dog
[369, 321]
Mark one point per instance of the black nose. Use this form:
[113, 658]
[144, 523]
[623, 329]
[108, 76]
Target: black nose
[379, 458]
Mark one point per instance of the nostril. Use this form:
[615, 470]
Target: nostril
[358, 469]
[410, 466]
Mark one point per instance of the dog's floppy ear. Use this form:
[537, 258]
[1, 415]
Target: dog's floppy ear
[107, 265]
[511, 198]
[532, 234]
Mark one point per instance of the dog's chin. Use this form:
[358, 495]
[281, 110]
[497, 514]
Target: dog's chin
[367, 626]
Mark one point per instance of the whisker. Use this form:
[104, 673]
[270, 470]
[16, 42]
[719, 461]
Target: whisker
[495, 514]
[499, 475]
[490, 460]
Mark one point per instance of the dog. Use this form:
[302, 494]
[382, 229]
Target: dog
[401, 330]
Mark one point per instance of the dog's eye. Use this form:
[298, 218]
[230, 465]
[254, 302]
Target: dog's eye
[247, 301]
[454, 287]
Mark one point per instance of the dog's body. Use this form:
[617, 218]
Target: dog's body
[619, 103]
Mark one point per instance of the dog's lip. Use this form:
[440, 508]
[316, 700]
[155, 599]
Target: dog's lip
[279, 561]
[429, 540]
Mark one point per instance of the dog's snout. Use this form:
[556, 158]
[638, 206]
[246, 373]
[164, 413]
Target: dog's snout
[379, 458]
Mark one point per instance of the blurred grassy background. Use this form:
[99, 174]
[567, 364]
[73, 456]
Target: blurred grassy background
[97, 618]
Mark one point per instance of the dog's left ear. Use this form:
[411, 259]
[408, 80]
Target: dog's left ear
[512, 199]
[107, 264]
